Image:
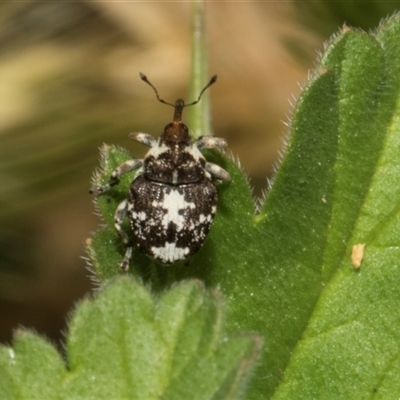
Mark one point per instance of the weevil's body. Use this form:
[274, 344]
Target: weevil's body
[172, 200]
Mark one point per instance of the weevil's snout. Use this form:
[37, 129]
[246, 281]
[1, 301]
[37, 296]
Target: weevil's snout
[179, 106]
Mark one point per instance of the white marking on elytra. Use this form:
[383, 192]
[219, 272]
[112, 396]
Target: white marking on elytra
[174, 202]
[156, 204]
[203, 218]
[141, 216]
[170, 252]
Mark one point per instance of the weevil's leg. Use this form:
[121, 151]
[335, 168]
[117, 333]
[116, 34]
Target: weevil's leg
[120, 215]
[125, 262]
[217, 172]
[122, 169]
[144, 138]
[210, 142]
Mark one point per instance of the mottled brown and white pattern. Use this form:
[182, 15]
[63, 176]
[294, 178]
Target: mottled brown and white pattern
[172, 200]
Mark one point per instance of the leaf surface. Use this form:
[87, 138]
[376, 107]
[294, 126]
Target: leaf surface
[124, 344]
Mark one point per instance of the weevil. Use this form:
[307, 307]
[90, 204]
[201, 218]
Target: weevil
[172, 199]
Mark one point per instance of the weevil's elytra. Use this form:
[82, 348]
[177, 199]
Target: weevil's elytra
[177, 218]
[172, 200]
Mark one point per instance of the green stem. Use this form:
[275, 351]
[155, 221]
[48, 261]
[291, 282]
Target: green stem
[199, 115]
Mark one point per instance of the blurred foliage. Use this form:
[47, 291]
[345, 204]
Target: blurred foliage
[70, 105]
[324, 17]
[56, 109]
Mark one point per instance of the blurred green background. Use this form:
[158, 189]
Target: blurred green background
[69, 82]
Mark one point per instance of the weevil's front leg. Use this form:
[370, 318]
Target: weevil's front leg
[217, 172]
[120, 215]
[144, 138]
[210, 142]
[125, 167]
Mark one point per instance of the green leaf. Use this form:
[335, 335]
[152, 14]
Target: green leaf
[31, 369]
[331, 328]
[124, 344]
[350, 346]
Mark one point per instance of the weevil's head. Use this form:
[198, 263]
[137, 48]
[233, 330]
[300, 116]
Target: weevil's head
[177, 131]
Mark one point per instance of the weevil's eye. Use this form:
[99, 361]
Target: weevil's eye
[184, 128]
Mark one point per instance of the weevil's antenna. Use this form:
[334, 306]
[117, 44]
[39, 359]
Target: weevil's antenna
[212, 80]
[179, 104]
[143, 77]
